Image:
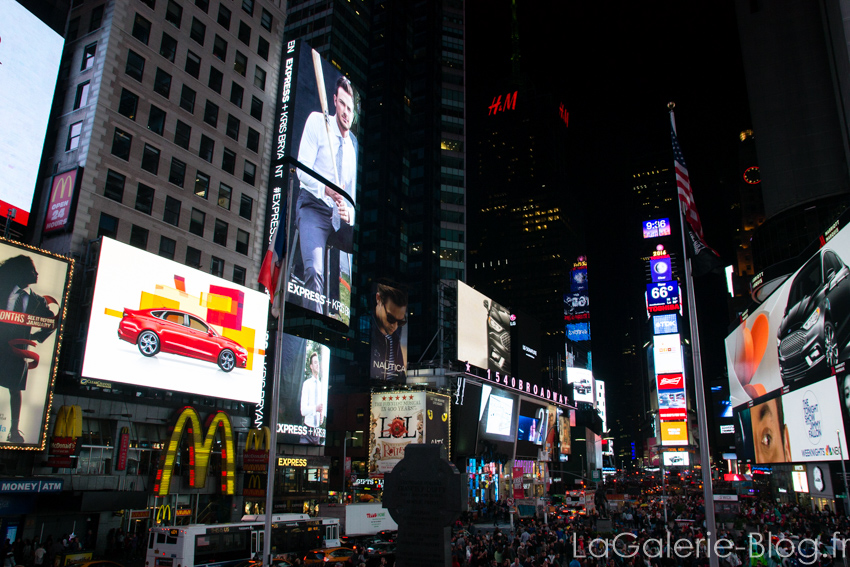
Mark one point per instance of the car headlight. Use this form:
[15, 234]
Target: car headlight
[813, 318]
[495, 325]
[242, 350]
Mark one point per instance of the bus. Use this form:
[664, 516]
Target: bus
[221, 545]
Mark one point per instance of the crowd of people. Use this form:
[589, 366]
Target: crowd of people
[120, 546]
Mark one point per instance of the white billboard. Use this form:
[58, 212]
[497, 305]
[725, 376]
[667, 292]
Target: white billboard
[583, 386]
[29, 64]
[160, 324]
[667, 353]
[812, 418]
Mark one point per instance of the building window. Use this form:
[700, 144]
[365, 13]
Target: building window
[266, 19]
[96, 18]
[177, 173]
[74, 133]
[88, 56]
[236, 93]
[249, 174]
[246, 207]
[168, 47]
[174, 13]
[156, 120]
[203, 5]
[232, 130]
[135, 68]
[187, 99]
[198, 31]
[253, 141]
[223, 16]
[150, 159]
[121, 142]
[166, 247]
[240, 64]
[162, 83]
[193, 64]
[216, 79]
[82, 97]
[108, 226]
[114, 186]
[217, 267]
[220, 48]
[228, 161]
[211, 113]
[244, 33]
[139, 237]
[193, 257]
[224, 195]
[239, 275]
[149, 3]
[202, 184]
[248, 7]
[129, 104]
[259, 78]
[220, 232]
[256, 108]
[141, 29]
[242, 241]
[263, 47]
[205, 151]
[144, 199]
[196, 222]
[172, 211]
[73, 29]
[182, 134]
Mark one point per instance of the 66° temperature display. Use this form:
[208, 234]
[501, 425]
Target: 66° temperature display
[662, 296]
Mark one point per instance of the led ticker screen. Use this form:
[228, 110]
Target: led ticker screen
[661, 269]
[662, 297]
[656, 228]
[665, 324]
[578, 331]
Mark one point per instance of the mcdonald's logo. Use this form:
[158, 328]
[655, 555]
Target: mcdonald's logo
[63, 186]
[163, 513]
[199, 451]
[69, 422]
[255, 458]
[255, 486]
[61, 198]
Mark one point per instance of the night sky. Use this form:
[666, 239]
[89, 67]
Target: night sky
[616, 65]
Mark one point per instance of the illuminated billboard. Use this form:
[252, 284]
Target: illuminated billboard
[674, 433]
[305, 367]
[662, 297]
[576, 307]
[656, 227]
[800, 333]
[665, 324]
[661, 269]
[564, 435]
[582, 381]
[34, 288]
[29, 53]
[676, 458]
[667, 354]
[160, 324]
[483, 331]
[497, 414]
[388, 343]
[578, 331]
[672, 405]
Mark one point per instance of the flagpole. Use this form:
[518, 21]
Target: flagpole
[275, 398]
[702, 415]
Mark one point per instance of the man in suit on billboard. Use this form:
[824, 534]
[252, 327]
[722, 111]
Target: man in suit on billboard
[387, 321]
[17, 274]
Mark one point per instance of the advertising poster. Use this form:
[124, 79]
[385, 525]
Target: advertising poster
[665, 324]
[161, 324]
[578, 331]
[582, 381]
[34, 288]
[813, 422]
[388, 343]
[483, 331]
[305, 368]
[438, 420]
[674, 433]
[29, 63]
[672, 405]
[667, 354]
[564, 435]
[576, 307]
[800, 333]
[676, 459]
[398, 419]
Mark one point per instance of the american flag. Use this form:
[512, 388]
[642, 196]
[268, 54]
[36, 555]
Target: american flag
[683, 182]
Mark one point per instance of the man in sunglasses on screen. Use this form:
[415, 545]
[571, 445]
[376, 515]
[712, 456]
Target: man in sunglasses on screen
[387, 322]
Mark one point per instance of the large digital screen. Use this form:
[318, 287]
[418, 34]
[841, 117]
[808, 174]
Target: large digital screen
[34, 288]
[564, 435]
[533, 421]
[29, 64]
[497, 414]
[578, 279]
[525, 344]
[317, 126]
[398, 419]
[800, 333]
[576, 307]
[388, 342]
[655, 228]
[665, 324]
[161, 324]
[578, 331]
[674, 433]
[582, 381]
[303, 406]
[667, 354]
[661, 269]
[672, 405]
[676, 458]
[662, 297]
[483, 331]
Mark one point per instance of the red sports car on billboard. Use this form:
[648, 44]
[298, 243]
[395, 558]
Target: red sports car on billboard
[178, 332]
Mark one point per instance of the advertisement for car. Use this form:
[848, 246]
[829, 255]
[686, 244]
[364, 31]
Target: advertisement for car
[800, 333]
[161, 324]
[33, 287]
[483, 331]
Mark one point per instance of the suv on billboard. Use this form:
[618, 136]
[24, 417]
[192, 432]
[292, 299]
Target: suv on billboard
[498, 337]
[815, 327]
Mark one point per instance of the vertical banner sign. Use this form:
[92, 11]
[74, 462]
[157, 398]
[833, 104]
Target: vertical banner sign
[61, 197]
[517, 483]
[123, 449]
[67, 429]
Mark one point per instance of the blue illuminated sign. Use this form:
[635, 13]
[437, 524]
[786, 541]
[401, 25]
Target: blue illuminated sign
[666, 324]
[661, 269]
[656, 228]
[662, 296]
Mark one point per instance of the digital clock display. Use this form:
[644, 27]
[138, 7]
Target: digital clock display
[656, 228]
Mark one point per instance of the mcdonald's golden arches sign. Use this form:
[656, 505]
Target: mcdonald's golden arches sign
[256, 455]
[61, 199]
